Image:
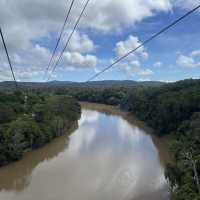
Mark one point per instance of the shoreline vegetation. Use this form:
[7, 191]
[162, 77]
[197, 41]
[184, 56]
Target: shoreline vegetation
[30, 120]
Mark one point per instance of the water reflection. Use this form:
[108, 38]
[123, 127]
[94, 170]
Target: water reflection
[17, 176]
[106, 158]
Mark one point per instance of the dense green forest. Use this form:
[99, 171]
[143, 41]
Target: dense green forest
[30, 120]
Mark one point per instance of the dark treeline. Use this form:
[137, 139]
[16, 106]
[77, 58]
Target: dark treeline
[30, 120]
[173, 111]
[165, 108]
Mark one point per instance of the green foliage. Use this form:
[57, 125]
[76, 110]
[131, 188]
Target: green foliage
[173, 175]
[38, 120]
[164, 108]
[62, 106]
[7, 114]
[110, 96]
[3, 147]
[27, 127]
[15, 145]
[39, 112]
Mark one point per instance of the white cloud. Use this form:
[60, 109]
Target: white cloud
[185, 4]
[75, 59]
[31, 64]
[81, 43]
[135, 63]
[137, 70]
[157, 64]
[195, 53]
[133, 69]
[144, 79]
[188, 61]
[22, 24]
[132, 65]
[114, 14]
[27, 67]
[131, 43]
[185, 61]
[167, 81]
[145, 72]
[5, 73]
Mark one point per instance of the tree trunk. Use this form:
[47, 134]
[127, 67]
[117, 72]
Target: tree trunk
[192, 163]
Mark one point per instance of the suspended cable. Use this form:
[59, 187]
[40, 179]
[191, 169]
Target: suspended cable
[67, 43]
[9, 62]
[145, 42]
[60, 36]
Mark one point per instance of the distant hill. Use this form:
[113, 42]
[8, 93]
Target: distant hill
[108, 83]
[98, 84]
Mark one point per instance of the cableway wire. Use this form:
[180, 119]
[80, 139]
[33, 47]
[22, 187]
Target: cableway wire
[70, 36]
[60, 36]
[8, 57]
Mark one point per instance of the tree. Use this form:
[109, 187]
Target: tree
[173, 175]
[25, 127]
[6, 114]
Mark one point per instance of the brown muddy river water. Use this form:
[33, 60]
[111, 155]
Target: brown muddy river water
[108, 157]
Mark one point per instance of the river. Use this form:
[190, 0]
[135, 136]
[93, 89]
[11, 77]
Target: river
[110, 156]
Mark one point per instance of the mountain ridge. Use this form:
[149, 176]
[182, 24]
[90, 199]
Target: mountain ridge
[55, 83]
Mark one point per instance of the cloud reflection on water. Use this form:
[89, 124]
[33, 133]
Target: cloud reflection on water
[107, 158]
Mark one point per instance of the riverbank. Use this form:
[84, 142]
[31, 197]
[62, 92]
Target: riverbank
[116, 110]
[161, 142]
[182, 157]
[39, 121]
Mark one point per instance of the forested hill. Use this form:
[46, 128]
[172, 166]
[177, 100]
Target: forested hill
[61, 84]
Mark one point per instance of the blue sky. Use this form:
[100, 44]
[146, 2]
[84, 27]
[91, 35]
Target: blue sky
[108, 30]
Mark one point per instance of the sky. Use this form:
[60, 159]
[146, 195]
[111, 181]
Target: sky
[108, 30]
